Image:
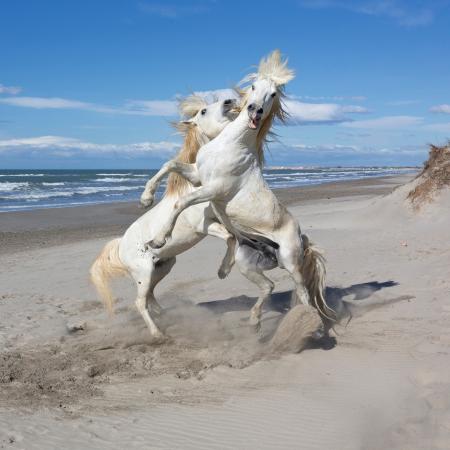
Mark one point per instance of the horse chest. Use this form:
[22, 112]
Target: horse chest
[225, 165]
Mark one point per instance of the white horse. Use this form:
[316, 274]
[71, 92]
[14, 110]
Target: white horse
[228, 170]
[126, 255]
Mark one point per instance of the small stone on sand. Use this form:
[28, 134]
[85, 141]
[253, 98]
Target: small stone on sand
[73, 327]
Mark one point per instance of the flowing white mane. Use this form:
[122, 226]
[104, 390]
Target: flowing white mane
[272, 68]
[275, 69]
[191, 105]
[193, 140]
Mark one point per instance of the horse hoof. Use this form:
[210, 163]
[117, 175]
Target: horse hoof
[223, 273]
[156, 243]
[146, 202]
[256, 328]
[255, 325]
[156, 309]
[159, 338]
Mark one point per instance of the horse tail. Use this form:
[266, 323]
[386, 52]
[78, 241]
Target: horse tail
[314, 272]
[107, 265]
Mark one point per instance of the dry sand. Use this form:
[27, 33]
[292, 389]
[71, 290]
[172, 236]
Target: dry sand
[72, 378]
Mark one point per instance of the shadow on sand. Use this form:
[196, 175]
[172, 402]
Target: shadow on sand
[345, 309]
[280, 301]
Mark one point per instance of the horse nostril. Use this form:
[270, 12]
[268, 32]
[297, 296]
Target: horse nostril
[251, 107]
[260, 111]
[228, 102]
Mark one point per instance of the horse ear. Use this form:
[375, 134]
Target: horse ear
[191, 105]
[184, 125]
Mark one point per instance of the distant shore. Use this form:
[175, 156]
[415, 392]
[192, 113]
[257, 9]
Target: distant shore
[25, 230]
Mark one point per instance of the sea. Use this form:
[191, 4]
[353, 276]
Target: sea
[34, 189]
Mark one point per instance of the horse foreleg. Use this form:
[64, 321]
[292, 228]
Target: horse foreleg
[218, 230]
[203, 194]
[188, 171]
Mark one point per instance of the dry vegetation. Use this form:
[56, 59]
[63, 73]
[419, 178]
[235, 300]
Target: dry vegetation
[434, 177]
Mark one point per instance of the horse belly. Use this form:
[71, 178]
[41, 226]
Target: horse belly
[184, 235]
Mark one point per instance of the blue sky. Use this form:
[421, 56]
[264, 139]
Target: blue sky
[92, 84]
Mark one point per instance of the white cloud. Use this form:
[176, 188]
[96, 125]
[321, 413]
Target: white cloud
[300, 112]
[132, 107]
[151, 107]
[172, 11]
[332, 98]
[336, 149]
[445, 109]
[65, 146]
[438, 127]
[352, 109]
[387, 123]
[320, 113]
[405, 12]
[45, 103]
[11, 90]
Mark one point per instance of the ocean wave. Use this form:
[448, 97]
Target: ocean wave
[22, 175]
[113, 174]
[7, 208]
[36, 195]
[53, 184]
[113, 180]
[7, 186]
[94, 190]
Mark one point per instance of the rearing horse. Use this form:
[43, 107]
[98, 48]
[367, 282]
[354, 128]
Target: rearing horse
[125, 255]
[228, 170]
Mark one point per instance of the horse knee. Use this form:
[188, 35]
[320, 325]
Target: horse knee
[170, 165]
[268, 287]
[141, 304]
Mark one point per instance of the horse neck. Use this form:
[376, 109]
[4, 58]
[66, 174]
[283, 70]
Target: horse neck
[248, 140]
[239, 132]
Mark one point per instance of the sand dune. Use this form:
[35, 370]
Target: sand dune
[70, 377]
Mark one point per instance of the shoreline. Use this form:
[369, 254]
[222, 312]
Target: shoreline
[40, 228]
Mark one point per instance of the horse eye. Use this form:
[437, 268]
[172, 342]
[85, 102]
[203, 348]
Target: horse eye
[203, 112]
[273, 95]
[253, 87]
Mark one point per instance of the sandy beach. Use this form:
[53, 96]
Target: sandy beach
[71, 377]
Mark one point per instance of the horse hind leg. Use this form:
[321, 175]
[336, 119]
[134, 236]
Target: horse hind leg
[160, 271]
[254, 274]
[144, 291]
